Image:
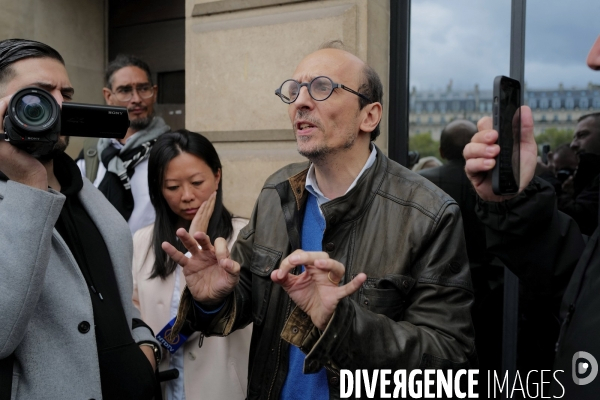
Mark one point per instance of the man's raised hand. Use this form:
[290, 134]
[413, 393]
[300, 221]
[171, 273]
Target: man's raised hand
[481, 152]
[209, 273]
[315, 290]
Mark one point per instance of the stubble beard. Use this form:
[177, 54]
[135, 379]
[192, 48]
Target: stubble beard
[319, 153]
[142, 123]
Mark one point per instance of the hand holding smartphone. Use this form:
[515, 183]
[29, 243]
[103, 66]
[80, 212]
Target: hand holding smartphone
[507, 122]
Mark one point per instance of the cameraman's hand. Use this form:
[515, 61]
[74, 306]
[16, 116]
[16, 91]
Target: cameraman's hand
[18, 165]
[481, 152]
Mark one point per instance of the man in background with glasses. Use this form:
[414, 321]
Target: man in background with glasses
[119, 168]
[367, 257]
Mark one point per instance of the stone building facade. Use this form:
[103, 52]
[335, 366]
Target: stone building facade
[560, 108]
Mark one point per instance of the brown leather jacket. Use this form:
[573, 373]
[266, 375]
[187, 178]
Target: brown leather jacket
[412, 312]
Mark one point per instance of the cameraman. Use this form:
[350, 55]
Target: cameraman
[68, 329]
[543, 246]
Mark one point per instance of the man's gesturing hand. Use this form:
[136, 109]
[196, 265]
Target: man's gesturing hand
[313, 290]
[209, 273]
[481, 152]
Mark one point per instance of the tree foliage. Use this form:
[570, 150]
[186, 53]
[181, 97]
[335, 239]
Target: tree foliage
[424, 144]
[554, 137]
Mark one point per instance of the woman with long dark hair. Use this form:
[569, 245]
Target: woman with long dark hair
[185, 185]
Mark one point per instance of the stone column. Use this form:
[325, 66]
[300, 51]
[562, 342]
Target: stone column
[239, 51]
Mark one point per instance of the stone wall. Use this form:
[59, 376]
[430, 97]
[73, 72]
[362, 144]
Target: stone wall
[239, 52]
[75, 28]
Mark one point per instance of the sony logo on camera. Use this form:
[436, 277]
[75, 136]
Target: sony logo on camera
[34, 120]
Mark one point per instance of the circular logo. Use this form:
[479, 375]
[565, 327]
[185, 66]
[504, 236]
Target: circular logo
[584, 368]
[171, 339]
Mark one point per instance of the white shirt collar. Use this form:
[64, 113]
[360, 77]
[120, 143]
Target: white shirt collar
[116, 144]
[313, 188]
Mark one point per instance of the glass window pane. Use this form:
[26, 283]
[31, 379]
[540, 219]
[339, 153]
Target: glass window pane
[453, 64]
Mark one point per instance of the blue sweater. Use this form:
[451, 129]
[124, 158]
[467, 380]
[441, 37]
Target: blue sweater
[299, 386]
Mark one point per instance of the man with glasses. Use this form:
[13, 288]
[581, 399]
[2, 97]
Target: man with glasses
[354, 260]
[122, 171]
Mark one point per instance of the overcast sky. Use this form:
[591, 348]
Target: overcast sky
[468, 41]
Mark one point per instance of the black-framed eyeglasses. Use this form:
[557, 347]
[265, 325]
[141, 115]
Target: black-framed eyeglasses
[320, 88]
[125, 93]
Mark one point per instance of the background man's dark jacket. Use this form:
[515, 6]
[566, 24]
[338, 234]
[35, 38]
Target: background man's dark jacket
[488, 279]
[545, 248]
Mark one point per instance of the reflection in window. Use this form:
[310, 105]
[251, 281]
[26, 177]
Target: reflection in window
[584, 103]
[533, 103]
[569, 103]
[556, 103]
[544, 103]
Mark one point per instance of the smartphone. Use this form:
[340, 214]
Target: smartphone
[545, 151]
[507, 122]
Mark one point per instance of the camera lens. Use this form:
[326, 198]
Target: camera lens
[33, 110]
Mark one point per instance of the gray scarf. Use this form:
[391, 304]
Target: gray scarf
[156, 128]
[120, 164]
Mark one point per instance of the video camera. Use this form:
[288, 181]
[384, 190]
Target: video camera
[34, 121]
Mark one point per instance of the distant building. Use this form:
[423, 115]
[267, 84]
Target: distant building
[560, 108]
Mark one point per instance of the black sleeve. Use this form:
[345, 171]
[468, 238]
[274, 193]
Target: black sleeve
[583, 208]
[537, 242]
